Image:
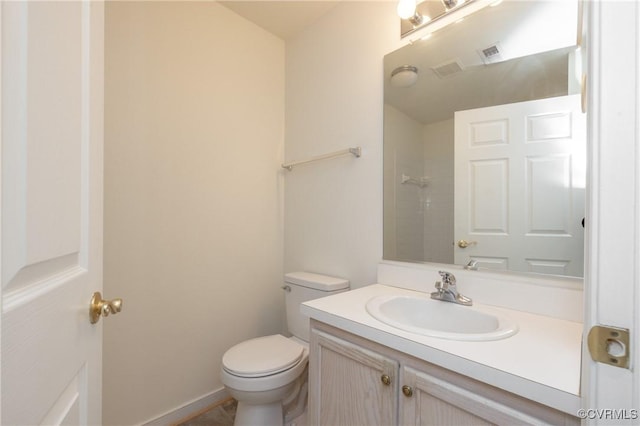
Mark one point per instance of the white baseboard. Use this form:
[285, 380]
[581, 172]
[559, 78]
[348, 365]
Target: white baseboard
[188, 409]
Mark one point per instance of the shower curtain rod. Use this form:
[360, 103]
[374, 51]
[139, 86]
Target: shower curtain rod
[357, 152]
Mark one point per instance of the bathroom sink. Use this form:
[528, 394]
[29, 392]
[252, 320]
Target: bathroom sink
[425, 316]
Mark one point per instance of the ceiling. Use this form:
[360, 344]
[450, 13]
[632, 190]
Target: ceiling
[284, 19]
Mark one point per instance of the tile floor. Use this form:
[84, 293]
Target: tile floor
[219, 415]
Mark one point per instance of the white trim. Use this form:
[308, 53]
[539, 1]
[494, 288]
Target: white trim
[192, 407]
[1, 61]
[612, 273]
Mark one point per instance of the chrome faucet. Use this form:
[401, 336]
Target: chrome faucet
[447, 290]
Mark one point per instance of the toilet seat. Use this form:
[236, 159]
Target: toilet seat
[286, 373]
[262, 356]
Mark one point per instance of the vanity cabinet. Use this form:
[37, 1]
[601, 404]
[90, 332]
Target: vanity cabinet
[353, 381]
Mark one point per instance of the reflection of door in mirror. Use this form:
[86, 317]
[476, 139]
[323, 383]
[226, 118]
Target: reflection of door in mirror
[519, 186]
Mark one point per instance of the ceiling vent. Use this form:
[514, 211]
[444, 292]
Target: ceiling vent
[491, 54]
[448, 68]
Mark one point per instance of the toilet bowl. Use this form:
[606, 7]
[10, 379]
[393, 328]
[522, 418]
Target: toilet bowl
[261, 373]
[268, 375]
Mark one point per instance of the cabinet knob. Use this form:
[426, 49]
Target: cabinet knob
[407, 391]
[386, 380]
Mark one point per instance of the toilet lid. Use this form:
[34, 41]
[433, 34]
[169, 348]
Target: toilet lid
[262, 356]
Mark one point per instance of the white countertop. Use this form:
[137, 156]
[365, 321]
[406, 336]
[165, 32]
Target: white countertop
[541, 362]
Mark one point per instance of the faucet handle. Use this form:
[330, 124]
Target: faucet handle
[448, 278]
[472, 265]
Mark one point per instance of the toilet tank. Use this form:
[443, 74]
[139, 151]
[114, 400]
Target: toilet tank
[302, 286]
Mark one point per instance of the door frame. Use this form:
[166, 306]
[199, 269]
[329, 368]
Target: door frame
[1, 207]
[612, 239]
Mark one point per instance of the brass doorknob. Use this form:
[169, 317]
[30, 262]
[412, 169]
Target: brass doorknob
[464, 244]
[99, 307]
[407, 391]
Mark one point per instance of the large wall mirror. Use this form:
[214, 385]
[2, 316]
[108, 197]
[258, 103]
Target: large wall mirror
[485, 142]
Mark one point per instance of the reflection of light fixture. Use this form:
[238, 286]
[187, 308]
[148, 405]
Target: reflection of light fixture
[407, 10]
[450, 4]
[416, 14]
[404, 76]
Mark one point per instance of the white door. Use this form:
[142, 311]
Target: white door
[520, 186]
[51, 232]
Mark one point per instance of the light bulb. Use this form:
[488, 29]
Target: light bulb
[406, 8]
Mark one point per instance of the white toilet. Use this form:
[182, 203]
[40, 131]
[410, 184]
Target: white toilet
[268, 375]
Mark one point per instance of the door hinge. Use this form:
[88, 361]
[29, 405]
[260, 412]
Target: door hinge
[609, 345]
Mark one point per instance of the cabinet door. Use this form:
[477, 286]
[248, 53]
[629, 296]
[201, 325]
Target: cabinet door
[346, 384]
[427, 404]
[433, 401]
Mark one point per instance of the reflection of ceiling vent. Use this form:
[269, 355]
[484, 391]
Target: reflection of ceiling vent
[448, 68]
[491, 54]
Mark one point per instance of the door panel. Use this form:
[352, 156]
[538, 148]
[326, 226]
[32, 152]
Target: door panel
[67, 410]
[489, 196]
[43, 134]
[52, 67]
[548, 189]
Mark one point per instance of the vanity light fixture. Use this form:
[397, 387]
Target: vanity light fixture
[404, 76]
[415, 14]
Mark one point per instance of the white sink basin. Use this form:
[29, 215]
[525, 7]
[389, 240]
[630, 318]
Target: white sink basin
[423, 315]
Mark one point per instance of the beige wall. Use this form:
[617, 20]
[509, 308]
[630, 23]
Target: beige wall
[333, 209]
[193, 202]
[195, 107]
